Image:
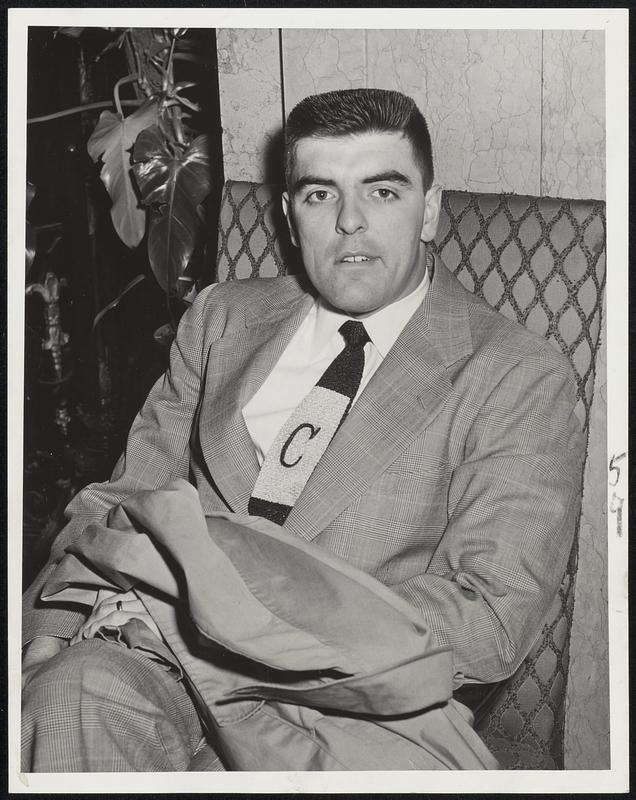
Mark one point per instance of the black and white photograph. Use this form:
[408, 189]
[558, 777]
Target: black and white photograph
[317, 400]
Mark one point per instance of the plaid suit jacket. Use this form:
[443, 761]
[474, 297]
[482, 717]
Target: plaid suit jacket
[454, 479]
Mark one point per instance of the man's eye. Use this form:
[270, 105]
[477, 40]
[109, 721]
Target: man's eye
[385, 194]
[318, 196]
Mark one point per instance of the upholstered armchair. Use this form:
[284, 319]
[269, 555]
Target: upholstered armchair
[540, 261]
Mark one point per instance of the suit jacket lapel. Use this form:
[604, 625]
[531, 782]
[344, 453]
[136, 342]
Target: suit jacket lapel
[237, 366]
[401, 400]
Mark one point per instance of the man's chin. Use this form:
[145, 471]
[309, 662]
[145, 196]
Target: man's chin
[355, 306]
[361, 294]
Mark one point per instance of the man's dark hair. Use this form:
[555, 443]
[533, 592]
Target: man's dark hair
[354, 111]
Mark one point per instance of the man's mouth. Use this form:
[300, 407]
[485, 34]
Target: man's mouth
[355, 259]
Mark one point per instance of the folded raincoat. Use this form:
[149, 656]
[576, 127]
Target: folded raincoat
[296, 659]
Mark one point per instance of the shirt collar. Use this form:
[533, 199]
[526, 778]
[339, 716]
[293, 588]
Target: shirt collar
[383, 326]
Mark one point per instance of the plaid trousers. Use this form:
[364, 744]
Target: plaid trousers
[100, 707]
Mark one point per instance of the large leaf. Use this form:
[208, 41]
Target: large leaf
[112, 139]
[173, 180]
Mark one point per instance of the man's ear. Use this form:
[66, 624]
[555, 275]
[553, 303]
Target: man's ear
[287, 211]
[433, 202]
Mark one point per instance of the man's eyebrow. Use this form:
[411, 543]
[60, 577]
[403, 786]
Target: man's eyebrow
[392, 176]
[311, 180]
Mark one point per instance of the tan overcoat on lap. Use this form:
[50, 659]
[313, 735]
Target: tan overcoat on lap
[296, 659]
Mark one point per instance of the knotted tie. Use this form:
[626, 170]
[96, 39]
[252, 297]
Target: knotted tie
[311, 426]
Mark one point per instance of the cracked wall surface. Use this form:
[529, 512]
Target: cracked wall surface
[509, 111]
[480, 92]
[250, 97]
[316, 61]
[573, 129]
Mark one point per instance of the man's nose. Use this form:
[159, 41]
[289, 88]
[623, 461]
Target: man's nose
[351, 218]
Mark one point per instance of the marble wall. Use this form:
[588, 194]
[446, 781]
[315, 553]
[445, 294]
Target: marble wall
[251, 99]
[514, 111]
[482, 112]
[573, 114]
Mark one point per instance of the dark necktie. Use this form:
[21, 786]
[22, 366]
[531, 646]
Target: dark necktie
[307, 432]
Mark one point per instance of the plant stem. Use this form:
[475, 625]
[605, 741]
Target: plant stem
[127, 79]
[169, 62]
[131, 46]
[78, 110]
[174, 111]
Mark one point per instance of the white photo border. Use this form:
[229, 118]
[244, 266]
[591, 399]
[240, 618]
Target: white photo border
[615, 23]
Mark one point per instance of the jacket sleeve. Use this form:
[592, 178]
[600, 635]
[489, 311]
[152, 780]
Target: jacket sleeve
[157, 451]
[513, 507]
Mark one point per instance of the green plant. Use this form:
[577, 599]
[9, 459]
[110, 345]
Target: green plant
[154, 162]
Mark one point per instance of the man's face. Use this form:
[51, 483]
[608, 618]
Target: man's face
[357, 209]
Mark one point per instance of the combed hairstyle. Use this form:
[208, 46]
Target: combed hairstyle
[353, 111]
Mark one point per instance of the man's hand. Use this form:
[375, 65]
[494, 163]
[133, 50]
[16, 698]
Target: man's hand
[37, 652]
[114, 609]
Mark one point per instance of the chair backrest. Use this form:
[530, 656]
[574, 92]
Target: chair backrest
[537, 260]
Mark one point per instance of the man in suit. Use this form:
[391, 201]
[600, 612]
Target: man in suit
[450, 473]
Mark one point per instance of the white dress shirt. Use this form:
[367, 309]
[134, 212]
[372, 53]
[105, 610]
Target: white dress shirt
[312, 348]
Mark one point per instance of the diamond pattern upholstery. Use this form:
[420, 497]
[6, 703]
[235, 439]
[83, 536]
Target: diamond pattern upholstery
[253, 237]
[537, 260]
